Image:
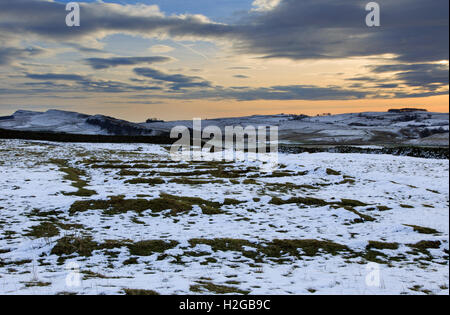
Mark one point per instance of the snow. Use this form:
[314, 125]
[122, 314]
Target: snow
[29, 182]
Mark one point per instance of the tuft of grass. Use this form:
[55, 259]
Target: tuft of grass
[406, 206]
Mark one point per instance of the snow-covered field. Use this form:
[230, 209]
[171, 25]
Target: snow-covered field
[125, 217]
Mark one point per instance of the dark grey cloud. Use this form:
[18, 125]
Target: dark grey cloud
[50, 82]
[55, 76]
[417, 75]
[47, 19]
[429, 77]
[177, 81]
[105, 63]
[276, 93]
[387, 86]
[240, 76]
[10, 54]
[413, 30]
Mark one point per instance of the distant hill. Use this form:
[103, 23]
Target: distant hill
[403, 126]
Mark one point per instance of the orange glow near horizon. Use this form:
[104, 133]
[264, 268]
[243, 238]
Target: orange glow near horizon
[187, 110]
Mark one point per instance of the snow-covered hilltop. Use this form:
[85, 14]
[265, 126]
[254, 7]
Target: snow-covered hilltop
[396, 127]
[72, 122]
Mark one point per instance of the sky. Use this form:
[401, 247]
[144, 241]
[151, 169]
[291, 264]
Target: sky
[180, 59]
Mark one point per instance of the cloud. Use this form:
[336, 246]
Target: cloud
[178, 81]
[411, 30]
[79, 83]
[46, 19]
[275, 93]
[240, 76]
[161, 49]
[56, 76]
[105, 63]
[10, 54]
[264, 5]
[424, 75]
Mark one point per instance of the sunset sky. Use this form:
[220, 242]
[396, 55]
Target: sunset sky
[179, 59]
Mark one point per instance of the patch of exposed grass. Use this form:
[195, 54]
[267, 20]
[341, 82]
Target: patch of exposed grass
[423, 230]
[274, 249]
[347, 181]
[406, 206]
[84, 246]
[121, 166]
[131, 261]
[118, 204]
[222, 244]
[150, 181]
[208, 210]
[362, 217]
[232, 202]
[44, 229]
[31, 284]
[125, 172]
[74, 175]
[201, 286]
[148, 248]
[299, 200]
[224, 173]
[382, 245]
[277, 248]
[88, 274]
[332, 172]
[286, 187]
[352, 203]
[188, 181]
[423, 246]
[139, 292]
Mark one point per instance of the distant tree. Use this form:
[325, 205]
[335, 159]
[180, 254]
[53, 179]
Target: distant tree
[153, 120]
